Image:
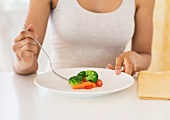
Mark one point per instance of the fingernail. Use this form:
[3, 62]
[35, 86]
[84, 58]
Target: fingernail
[117, 71]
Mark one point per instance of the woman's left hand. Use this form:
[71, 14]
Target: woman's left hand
[125, 62]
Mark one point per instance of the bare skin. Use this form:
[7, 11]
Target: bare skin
[27, 51]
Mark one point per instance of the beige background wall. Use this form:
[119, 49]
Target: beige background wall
[161, 38]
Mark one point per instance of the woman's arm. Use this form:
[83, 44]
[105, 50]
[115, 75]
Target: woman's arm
[25, 48]
[142, 40]
[140, 56]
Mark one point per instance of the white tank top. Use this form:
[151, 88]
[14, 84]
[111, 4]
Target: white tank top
[81, 38]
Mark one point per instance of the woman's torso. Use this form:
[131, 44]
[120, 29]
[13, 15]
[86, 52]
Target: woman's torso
[81, 38]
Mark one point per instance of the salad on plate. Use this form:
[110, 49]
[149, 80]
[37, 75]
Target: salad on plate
[85, 80]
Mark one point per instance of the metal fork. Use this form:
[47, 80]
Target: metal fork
[25, 28]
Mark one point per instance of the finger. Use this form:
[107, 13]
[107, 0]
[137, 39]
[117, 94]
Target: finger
[22, 43]
[128, 69]
[128, 66]
[23, 35]
[17, 55]
[29, 47]
[118, 66]
[123, 67]
[134, 70]
[31, 28]
[26, 56]
[110, 66]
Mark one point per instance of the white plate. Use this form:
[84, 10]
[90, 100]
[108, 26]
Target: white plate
[111, 82]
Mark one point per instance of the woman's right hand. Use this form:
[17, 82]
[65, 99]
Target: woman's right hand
[25, 48]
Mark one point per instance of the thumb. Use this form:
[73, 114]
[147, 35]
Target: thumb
[110, 66]
[31, 28]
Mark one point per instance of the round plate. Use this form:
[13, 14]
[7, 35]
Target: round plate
[111, 82]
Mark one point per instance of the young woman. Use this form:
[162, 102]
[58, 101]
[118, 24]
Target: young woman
[88, 33]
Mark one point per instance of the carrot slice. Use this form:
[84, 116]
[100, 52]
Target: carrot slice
[93, 85]
[88, 87]
[82, 85]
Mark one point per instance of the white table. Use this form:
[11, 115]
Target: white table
[21, 99]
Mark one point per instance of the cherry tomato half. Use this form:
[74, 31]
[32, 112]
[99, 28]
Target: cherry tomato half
[99, 83]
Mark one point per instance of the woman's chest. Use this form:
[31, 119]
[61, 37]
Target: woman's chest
[100, 6]
[73, 24]
[97, 6]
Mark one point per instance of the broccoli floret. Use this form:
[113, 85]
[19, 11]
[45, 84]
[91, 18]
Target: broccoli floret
[82, 73]
[75, 80]
[91, 75]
